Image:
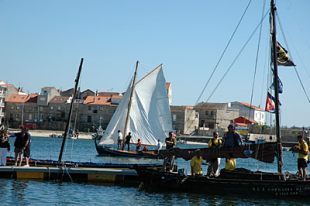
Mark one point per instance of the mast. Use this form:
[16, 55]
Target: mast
[70, 111]
[276, 85]
[129, 104]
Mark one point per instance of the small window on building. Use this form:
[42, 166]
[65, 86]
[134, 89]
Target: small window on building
[174, 117]
[207, 112]
[30, 117]
[89, 119]
[89, 107]
[227, 114]
[30, 108]
[41, 109]
[212, 113]
[101, 108]
[35, 108]
[16, 115]
[12, 107]
[58, 108]
[52, 108]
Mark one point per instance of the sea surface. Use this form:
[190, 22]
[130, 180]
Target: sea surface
[32, 192]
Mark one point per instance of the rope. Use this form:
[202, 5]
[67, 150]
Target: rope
[224, 51]
[295, 68]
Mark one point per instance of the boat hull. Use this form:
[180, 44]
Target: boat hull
[272, 185]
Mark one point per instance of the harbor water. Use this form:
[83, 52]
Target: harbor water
[33, 192]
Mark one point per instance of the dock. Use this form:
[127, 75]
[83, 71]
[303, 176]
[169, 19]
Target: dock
[69, 174]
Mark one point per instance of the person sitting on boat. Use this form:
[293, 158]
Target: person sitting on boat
[138, 147]
[159, 146]
[230, 162]
[231, 137]
[303, 151]
[214, 163]
[145, 148]
[196, 163]
[127, 140]
[119, 139]
[170, 143]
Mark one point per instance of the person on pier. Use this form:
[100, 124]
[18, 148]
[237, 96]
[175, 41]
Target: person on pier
[4, 147]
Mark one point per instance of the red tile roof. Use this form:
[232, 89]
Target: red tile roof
[98, 100]
[249, 105]
[32, 98]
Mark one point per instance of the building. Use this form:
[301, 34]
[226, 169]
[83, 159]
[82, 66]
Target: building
[256, 113]
[6, 90]
[185, 119]
[215, 115]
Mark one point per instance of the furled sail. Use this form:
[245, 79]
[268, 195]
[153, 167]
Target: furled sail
[150, 116]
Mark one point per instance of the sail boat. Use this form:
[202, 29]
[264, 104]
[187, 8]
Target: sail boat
[144, 111]
[239, 181]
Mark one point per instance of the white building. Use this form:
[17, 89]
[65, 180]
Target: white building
[248, 110]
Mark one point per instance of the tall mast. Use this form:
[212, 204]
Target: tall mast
[276, 85]
[70, 111]
[130, 100]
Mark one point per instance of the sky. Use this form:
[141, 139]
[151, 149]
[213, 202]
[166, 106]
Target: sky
[42, 43]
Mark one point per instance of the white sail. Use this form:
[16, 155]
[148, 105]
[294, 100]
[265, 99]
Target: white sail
[150, 116]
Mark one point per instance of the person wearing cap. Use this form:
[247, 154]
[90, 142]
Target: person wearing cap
[196, 163]
[303, 151]
[231, 138]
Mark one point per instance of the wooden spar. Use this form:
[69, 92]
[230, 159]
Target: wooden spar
[129, 104]
[276, 85]
[70, 111]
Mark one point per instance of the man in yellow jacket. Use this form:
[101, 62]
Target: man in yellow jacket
[303, 151]
[196, 163]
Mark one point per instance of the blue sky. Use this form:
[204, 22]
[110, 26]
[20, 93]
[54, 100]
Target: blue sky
[42, 43]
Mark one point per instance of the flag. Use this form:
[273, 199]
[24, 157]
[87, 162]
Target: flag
[283, 58]
[270, 104]
[280, 85]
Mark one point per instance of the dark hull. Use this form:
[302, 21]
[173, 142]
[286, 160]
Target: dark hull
[103, 150]
[252, 184]
[50, 163]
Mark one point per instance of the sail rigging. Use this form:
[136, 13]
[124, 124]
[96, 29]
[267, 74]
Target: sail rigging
[149, 118]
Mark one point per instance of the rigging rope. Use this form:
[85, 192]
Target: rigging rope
[295, 68]
[237, 56]
[223, 52]
[256, 61]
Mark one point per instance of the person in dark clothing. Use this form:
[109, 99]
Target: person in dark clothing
[127, 140]
[4, 147]
[170, 143]
[22, 146]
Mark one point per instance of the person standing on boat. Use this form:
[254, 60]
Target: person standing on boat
[119, 139]
[27, 146]
[230, 162]
[214, 163]
[127, 140]
[4, 147]
[138, 147]
[170, 143]
[20, 145]
[196, 163]
[303, 151]
[231, 138]
[159, 146]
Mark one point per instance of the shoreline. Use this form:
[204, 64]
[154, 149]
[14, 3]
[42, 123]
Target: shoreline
[47, 133]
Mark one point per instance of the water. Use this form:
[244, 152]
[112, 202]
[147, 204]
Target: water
[31, 192]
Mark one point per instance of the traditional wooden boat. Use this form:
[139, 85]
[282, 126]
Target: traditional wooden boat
[240, 181]
[144, 111]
